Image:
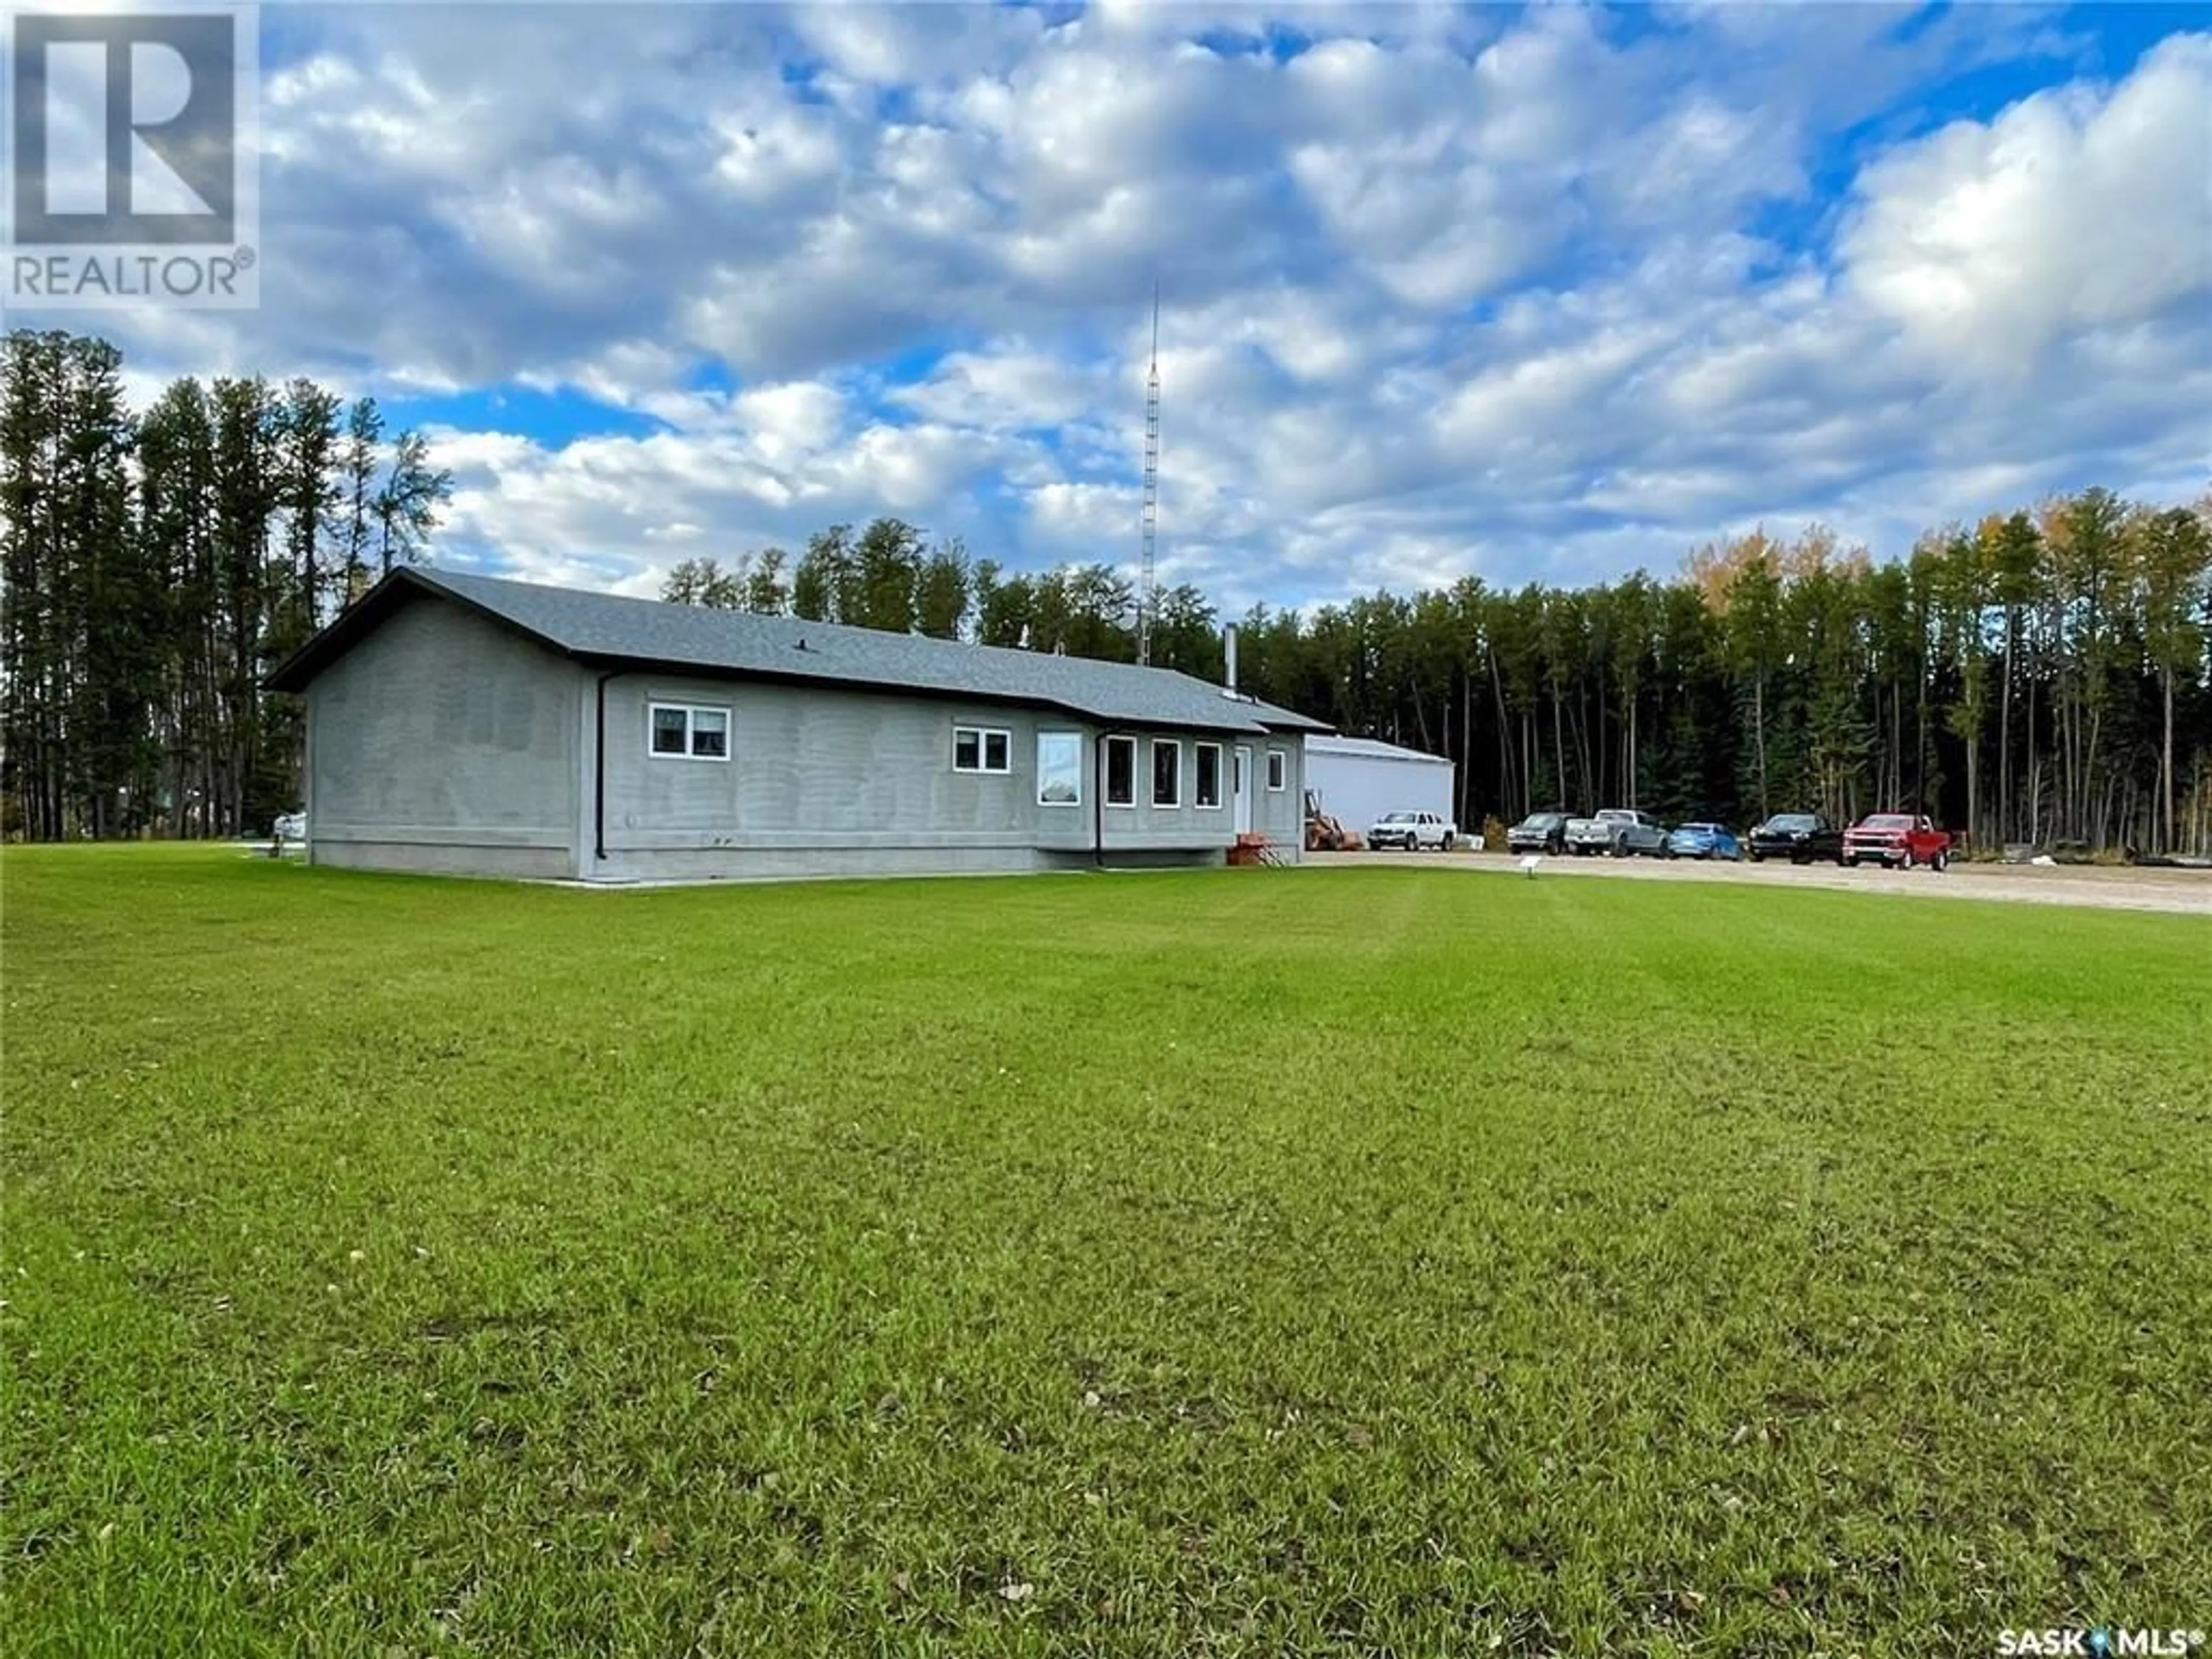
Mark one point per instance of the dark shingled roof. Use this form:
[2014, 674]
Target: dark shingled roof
[602, 629]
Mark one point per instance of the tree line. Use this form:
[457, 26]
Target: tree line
[2043, 676]
[888, 576]
[154, 566]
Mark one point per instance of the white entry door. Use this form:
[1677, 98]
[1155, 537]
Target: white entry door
[1243, 792]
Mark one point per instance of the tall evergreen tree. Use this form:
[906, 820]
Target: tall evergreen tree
[358, 494]
[154, 569]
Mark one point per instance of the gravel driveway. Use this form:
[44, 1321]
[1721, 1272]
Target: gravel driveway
[2184, 891]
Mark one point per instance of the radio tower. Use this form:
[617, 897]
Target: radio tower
[1152, 515]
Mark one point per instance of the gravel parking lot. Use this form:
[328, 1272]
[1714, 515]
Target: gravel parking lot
[2185, 892]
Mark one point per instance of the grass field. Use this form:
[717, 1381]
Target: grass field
[1247, 1262]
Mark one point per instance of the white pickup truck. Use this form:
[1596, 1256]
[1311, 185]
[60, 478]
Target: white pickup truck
[1412, 831]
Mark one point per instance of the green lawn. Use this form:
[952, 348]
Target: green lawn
[1374, 1261]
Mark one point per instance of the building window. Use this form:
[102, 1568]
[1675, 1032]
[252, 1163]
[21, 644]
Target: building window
[1208, 788]
[1167, 772]
[683, 730]
[1279, 771]
[1060, 768]
[1120, 771]
[982, 748]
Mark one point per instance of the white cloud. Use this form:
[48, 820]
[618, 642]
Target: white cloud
[791, 420]
[1013, 387]
[2073, 209]
[1444, 290]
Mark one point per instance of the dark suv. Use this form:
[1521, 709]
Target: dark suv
[1539, 832]
[1800, 837]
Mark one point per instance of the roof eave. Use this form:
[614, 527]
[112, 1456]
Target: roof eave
[624, 662]
[1241, 716]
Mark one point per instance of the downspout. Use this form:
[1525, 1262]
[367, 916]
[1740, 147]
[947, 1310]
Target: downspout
[1098, 802]
[599, 773]
[1099, 794]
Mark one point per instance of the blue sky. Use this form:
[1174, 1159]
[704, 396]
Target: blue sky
[1549, 294]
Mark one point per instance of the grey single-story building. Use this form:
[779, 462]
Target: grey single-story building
[477, 726]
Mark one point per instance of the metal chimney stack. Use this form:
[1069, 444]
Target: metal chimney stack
[1229, 647]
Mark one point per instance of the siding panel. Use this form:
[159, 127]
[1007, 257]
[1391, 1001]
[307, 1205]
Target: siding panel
[827, 781]
[442, 730]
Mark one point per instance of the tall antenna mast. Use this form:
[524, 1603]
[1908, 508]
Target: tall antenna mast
[1151, 519]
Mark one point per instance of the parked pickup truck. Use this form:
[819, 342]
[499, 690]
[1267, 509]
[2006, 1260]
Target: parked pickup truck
[1897, 838]
[1412, 831]
[1619, 830]
[1800, 837]
[1539, 832]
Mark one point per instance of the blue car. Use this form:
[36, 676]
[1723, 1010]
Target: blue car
[1704, 840]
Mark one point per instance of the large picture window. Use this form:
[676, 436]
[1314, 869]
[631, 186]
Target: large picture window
[683, 730]
[1060, 768]
[1120, 771]
[982, 748]
[1207, 790]
[1167, 772]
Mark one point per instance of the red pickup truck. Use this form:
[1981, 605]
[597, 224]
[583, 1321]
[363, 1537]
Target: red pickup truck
[1899, 839]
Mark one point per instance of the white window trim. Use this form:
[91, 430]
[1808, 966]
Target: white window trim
[653, 709]
[983, 769]
[1078, 736]
[1159, 806]
[1105, 783]
[1284, 756]
[1220, 801]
